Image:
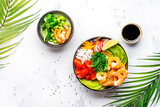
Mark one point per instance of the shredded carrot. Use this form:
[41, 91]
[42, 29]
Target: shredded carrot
[89, 45]
[97, 41]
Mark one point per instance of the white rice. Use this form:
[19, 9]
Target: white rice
[84, 55]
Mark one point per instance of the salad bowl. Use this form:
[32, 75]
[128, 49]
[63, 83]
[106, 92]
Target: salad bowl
[87, 82]
[46, 25]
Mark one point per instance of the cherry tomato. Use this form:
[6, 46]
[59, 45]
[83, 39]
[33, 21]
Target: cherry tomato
[77, 63]
[87, 77]
[84, 72]
[79, 76]
[87, 64]
[93, 76]
[83, 66]
[90, 71]
[78, 73]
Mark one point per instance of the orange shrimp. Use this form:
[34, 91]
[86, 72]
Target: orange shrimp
[123, 71]
[68, 31]
[106, 82]
[123, 66]
[114, 62]
[119, 79]
[59, 39]
[111, 78]
[103, 79]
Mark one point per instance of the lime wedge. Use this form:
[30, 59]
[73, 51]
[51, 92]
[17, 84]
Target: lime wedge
[109, 44]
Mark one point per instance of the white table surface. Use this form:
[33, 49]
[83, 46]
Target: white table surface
[39, 76]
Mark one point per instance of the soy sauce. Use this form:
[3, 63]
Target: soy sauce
[130, 32]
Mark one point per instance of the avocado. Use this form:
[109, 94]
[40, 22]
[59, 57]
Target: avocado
[115, 51]
[92, 84]
[110, 52]
[119, 52]
[124, 60]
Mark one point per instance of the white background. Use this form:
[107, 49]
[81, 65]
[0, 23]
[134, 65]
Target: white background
[39, 76]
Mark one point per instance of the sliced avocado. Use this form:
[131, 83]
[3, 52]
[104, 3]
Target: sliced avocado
[98, 87]
[110, 52]
[120, 52]
[92, 84]
[115, 51]
[124, 60]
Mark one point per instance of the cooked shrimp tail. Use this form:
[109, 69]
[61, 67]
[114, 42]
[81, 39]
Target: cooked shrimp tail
[59, 39]
[68, 31]
[114, 62]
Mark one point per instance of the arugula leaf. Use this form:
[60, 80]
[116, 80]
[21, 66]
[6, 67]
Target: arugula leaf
[52, 24]
[49, 18]
[45, 25]
[44, 33]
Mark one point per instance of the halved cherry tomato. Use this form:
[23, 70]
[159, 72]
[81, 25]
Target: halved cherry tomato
[90, 71]
[78, 73]
[93, 76]
[84, 72]
[79, 76]
[83, 66]
[87, 77]
[77, 63]
[87, 64]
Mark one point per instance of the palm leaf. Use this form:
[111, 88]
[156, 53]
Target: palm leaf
[140, 95]
[11, 25]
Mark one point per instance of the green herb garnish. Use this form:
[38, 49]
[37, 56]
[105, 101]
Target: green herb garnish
[99, 62]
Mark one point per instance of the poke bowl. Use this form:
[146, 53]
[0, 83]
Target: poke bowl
[100, 63]
[55, 29]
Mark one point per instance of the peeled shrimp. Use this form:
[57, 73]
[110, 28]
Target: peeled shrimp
[60, 39]
[114, 62]
[68, 31]
[103, 79]
[118, 79]
[101, 75]
[122, 71]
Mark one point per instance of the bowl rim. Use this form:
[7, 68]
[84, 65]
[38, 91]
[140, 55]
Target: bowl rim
[102, 37]
[55, 12]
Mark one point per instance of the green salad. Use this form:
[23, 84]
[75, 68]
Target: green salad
[49, 24]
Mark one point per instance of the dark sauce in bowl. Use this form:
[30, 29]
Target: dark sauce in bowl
[131, 33]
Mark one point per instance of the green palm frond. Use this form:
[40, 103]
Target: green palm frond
[142, 88]
[11, 25]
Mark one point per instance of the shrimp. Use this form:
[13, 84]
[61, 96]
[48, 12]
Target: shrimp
[114, 62]
[111, 78]
[123, 71]
[101, 75]
[118, 79]
[123, 66]
[103, 79]
[68, 31]
[57, 36]
[106, 82]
